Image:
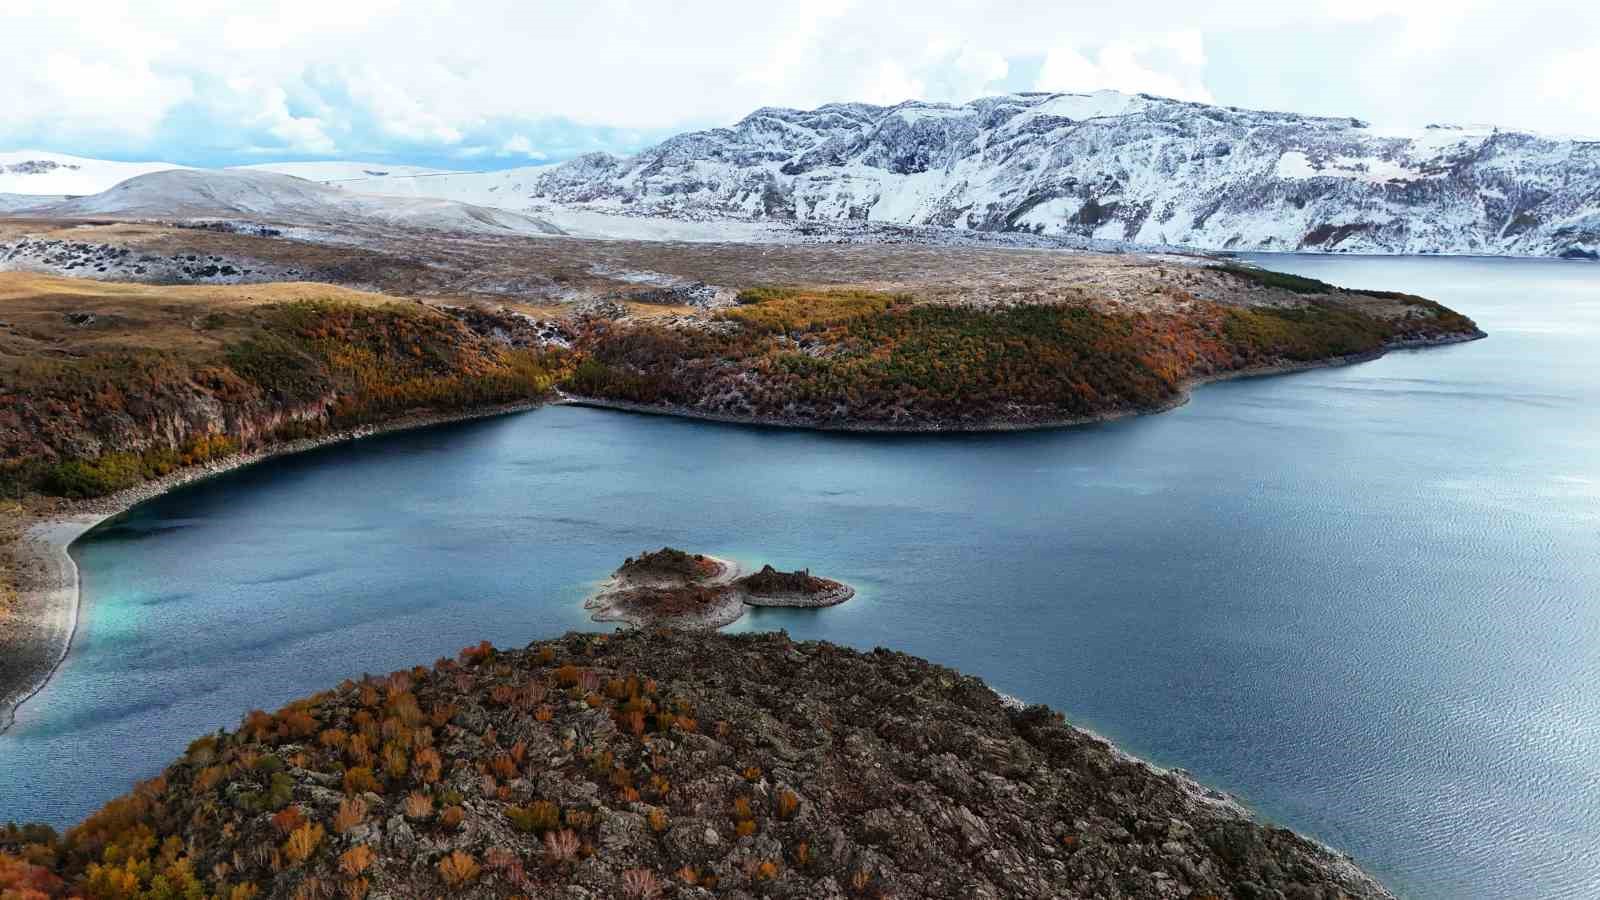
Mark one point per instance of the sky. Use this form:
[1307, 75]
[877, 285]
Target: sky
[499, 83]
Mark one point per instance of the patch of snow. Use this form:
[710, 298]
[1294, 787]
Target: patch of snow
[57, 174]
[270, 197]
[1295, 164]
[1098, 105]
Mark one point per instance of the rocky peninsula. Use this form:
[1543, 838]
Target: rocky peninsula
[671, 764]
[669, 588]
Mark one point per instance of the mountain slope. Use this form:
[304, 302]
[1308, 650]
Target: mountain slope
[270, 197]
[39, 172]
[1124, 167]
[504, 188]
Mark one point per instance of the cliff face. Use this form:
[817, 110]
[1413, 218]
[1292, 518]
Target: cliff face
[1123, 168]
[676, 765]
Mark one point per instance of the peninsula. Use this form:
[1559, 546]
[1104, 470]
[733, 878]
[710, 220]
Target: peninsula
[654, 764]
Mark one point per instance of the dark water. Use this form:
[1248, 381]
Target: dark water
[1366, 600]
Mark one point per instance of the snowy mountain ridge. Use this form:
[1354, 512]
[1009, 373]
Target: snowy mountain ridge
[1122, 167]
[1132, 169]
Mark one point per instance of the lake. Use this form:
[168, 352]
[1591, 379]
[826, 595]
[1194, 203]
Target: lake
[1365, 600]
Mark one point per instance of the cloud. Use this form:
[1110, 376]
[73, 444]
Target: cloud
[521, 145]
[205, 81]
[890, 84]
[1170, 65]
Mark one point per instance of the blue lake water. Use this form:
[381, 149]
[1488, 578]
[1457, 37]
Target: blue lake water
[1366, 600]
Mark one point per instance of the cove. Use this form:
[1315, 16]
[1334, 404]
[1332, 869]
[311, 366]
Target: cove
[1366, 600]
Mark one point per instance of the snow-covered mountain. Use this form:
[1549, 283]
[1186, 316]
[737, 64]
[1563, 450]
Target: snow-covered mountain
[283, 199]
[1128, 168]
[41, 172]
[1118, 166]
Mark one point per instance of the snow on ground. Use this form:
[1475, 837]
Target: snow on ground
[1295, 164]
[10, 203]
[505, 188]
[606, 226]
[1099, 166]
[270, 197]
[41, 172]
[1088, 106]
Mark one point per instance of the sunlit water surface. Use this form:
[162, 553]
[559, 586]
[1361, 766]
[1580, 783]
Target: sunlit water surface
[1366, 600]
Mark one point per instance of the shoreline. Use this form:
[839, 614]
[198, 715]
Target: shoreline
[991, 426]
[49, 605]
[1203, 795]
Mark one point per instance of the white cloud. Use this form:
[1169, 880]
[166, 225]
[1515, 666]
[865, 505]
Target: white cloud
[521, 145]
[1170, 65]
[890, 84]
[370, 76]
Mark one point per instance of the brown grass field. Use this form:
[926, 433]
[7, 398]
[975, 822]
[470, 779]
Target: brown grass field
[36, 314]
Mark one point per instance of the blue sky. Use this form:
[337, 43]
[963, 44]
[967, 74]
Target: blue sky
[496, 83]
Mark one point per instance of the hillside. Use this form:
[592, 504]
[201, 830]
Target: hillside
[664, 764]
[107, 385]
[40, 172]
[865, 360]
[283, 199]
[915, 337]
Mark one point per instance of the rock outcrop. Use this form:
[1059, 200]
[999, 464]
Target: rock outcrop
[669, 588]
[770, 587]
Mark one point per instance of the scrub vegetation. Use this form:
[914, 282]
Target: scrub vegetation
[124, 384]
[662, 764]
[858, 358]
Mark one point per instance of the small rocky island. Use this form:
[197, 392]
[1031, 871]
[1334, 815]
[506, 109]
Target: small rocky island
[669, 588]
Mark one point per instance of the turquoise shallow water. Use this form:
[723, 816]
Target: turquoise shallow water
[1366, 600]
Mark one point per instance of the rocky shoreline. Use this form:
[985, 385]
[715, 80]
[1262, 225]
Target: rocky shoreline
[724, 607]
[38, 636]
[644, 596]
[831, 596]
[674, 764]
[1002, 424]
